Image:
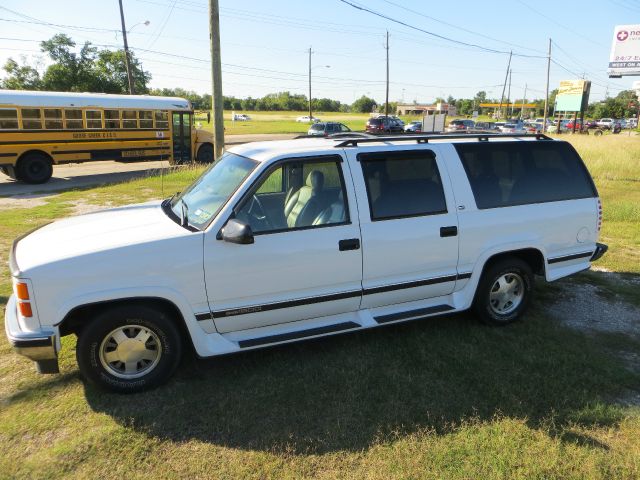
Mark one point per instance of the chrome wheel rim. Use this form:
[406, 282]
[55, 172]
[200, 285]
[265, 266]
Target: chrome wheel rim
[130, 351]
[506, 293]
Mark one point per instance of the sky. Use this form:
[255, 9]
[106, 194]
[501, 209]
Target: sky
[265, 44]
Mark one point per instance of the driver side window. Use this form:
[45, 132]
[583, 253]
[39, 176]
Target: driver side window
[295, 195]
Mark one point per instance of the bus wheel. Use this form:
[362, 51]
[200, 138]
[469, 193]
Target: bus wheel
[34, 167]
[205, 153]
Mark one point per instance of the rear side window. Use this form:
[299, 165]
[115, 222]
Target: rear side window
[520, 173]
[402, 184]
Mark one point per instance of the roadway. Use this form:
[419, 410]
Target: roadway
[77, 175]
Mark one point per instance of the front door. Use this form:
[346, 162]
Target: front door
[181, 137]
[306, 259]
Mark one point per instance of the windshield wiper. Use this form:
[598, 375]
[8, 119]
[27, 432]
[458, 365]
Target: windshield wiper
[184, 214]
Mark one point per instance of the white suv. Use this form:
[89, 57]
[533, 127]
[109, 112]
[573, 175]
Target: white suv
[288, 240]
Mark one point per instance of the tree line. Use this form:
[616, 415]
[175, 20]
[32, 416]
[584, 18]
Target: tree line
[104, 71]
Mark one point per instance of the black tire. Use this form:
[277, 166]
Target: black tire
[597, 133]
[205, 153]
[517, 278]
[97, 341]
[34, 168]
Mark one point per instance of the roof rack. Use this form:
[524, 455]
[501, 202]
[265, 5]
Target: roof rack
[482, 137]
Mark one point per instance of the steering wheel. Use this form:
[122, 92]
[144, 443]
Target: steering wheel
[258, 214]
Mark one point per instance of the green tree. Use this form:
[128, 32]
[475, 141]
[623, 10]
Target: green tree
[21, 77]
[363, 105]
[88, 70]
[111, 70]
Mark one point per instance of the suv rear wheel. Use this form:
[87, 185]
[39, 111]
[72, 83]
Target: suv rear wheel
[129, 349]
[504, 291]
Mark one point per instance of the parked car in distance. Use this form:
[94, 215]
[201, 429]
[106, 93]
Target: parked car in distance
[325, 129]
[569, 125]
[484, 127]
[298, 239]
[307, 119]
[460, 126]
[414, 127]
[533, 127]
[605, 122]
[383, 124]
[517, 128]
[240, 117]
[632, 122]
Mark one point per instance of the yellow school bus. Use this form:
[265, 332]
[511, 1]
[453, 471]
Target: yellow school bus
[42, 129]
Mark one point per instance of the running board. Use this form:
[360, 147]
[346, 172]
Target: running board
[283, 337]
[420, 312]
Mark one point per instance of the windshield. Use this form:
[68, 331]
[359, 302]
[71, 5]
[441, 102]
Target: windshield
[317, 126]
[202, 200]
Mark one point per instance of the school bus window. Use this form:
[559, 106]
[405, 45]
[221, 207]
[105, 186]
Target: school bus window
[73, 119]
[31, 118]
[146, 118]
[8, 119]
[53, 118]
[94, 118]
[162, 120]
[129, 119]
[112, 119]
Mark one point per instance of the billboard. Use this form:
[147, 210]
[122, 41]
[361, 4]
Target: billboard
[625, 51]
[573, 95]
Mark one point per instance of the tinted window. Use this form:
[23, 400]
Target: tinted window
[112, 119]
[317, 126]
[375, 121]
[402, 184]
[505, 174]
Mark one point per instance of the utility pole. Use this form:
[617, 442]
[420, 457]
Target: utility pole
[508, 98]
[504, 85]
[386, 103]
[310, 84]
[217, 103]
[523, 100]
[127, 60]
[546, 96]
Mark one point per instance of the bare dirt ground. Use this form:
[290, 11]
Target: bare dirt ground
[585, 307]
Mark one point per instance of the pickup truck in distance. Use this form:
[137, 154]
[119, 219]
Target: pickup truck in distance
[288, 240]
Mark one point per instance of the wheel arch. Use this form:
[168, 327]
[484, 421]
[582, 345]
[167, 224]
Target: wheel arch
[532, 256]
[35, 150]
[79, 316]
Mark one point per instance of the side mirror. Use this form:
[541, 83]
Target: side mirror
[236, 231]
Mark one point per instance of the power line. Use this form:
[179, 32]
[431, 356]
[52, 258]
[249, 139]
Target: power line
[162, 25]
[460, 28]
[436, 35]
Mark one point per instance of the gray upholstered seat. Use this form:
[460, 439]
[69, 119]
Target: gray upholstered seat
[305, 204]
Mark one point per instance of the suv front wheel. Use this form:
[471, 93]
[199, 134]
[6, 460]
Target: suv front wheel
[504, 292]
[129, 349]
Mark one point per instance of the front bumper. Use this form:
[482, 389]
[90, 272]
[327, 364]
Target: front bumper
[39, 346]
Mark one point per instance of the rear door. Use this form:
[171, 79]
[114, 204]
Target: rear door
[409, 225]
[181, 137]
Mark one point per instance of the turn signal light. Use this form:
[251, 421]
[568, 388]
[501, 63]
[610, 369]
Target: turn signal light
[22, 291]
[25, 309]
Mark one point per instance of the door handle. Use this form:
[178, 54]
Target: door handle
[450, 231]
[349, 244]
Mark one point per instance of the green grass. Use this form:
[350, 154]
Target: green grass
[440, 398]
